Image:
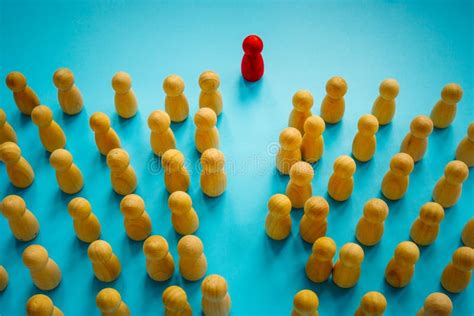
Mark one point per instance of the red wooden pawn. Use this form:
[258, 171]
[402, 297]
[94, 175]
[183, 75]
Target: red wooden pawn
[252, 63]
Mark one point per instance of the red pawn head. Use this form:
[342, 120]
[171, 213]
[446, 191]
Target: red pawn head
[252, 45]
[252, 64]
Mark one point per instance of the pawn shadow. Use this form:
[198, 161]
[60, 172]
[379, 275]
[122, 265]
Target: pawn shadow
[248, 91]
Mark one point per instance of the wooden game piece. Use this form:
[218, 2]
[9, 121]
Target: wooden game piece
[346, 271]
[122, 174]
[105, 263]
[125, 100]
[312, 145]
[137, 222]
[302, 104]
[69, 96]
[215, 296]
[425, 228]
[105, 136]
[457, 274]
[319, 265]
[86, 224]
[210, 97]
[68, 175]
[44, 272]
[305, 303]
[289, 152]
[278, 221]
[252, 66]
[299, 188]
[176, 174]
[109, 301]
[465, 149]
[51, 134]
[401, 267]
[7, 133]
[416, 141]
[341, 182]
[213, 178]
[161, 137]
[19, 171]
[333, 105]
[183, 216]
[365, 142]
[22, 221]
[444, 111]
[468, 233]
[449, 187]
[396, 180]
[175, 302]
[41, 305]
[313, 224]
[159, 262]
[192, 261]
[3, 278]
[372, 304]
[207, 135]
[384, 106]
[436, 304]
[370, 228]
[25, 98]
[176, 103]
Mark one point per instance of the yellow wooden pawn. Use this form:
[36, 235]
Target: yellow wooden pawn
[19, 171]
[312, 145]
[3, 278]
[176, 103]
[426, 227]
[313, 224]
[192, 261]
[299, 188]
[51, 134]
[7, 133]
[305, 303]
[468, 233]
[68, 175]
[289, 152]
[207, 135]
[436, 304]
[341, 182]
[278, 221]
[444, 111]
[86, 224]
[44, 272]
[25, 98]
[457, 274]
[215, 297]
[183, 216]
[105, 136]
[416, 141]
[159, 262]
[447, 190]
[370, 228]
[210, 97]
[176, 174]
[137, 222]
[22, 221]
[465, 149]
[333, 105]
[175, 302]
[105, 263]
[69, 96]
[302, 104]
[161, 137]
[372, 304]
[384, 106]
[41, 305]
[122, 174]
[109, 301]
[396, 180]
[213, 179]
[346, 271]
[401, 267]
[365, 142]
[125, 100]
[319, 265]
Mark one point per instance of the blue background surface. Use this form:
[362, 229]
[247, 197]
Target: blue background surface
[424, 45]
